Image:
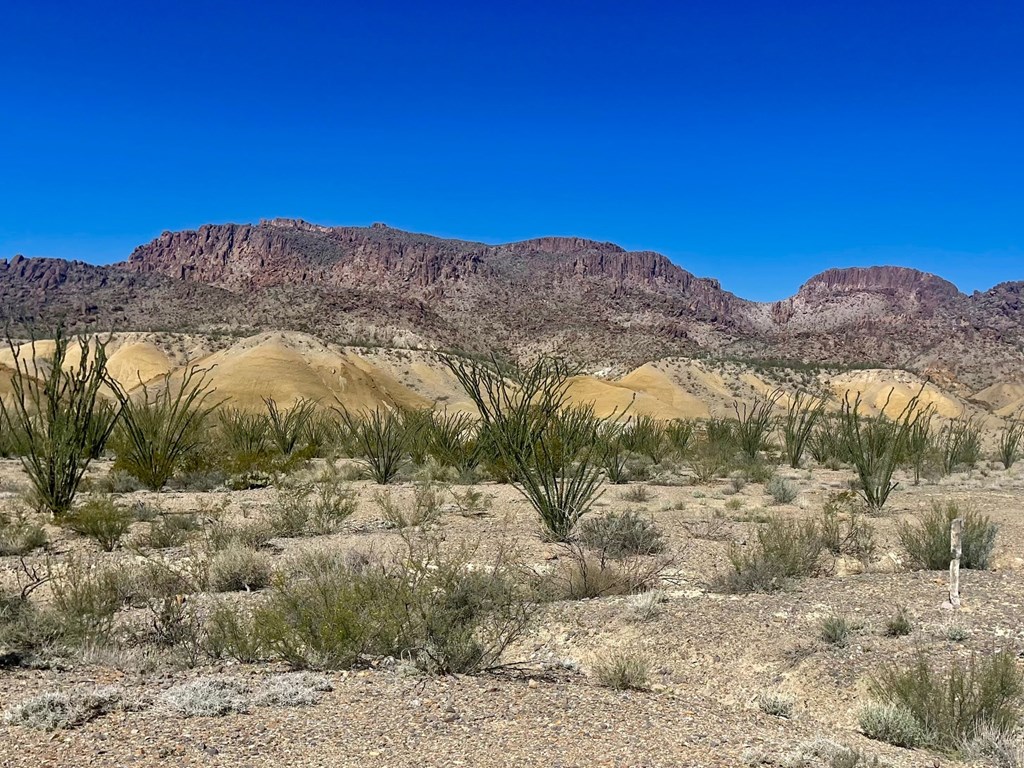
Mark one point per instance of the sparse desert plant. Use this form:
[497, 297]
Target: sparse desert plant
[754, 423]
[206, 697]
[231, 633]
[237, 569]
[625, 534]
[550, 450]
[892, 724]
[583, 574]
[101, 520]
[57, 710]
[950, 707]
[783, 551]
[471, 502]
[170, 530]
[647, 606]
[835, 630]
[19, 535]
[294, 689]
[453, 441]
[798, 424]
[614, 454]
[1010, 441]
[775, 704]
[920, 448]
[86, 595]
[381, 438]
[959, 444]
[317, 508]
[54, 417]
[288, 425]
[637, 494]
[622, 670]
[899, 624]
[875, 445]
[844, 531]
[781, 490]
[163, 428]
[825, 444]
[928, 541]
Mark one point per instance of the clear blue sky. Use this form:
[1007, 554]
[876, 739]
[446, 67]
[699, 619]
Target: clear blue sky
[755, 142]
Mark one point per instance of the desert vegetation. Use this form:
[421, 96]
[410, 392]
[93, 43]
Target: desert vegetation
[317, 538]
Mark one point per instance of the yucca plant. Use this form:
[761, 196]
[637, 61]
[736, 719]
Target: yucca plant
[754, 423]
[876, 445]
[287, 425]
[381, 439]
[1010, 440]
[798, 423]
[163, 427]
[54, 416]
[553, 458]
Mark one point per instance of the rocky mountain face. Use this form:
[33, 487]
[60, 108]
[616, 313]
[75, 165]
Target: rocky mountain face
[595, 302]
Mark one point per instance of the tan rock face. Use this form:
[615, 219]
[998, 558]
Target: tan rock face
[594, 302]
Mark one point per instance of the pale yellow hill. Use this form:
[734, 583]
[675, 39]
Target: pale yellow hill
[878, 386]
[655, 383]
[289, 367]
[139, 361]
[1005, 398]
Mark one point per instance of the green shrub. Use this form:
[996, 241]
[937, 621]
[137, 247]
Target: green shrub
[928, 542]
[959, 445]
[798, 424]
[1010, 441]
[619, 535]
[875, 446]
[826, 444]
[920, 448]
[230, 633]
[783, 551]
[161, 430]
[680, 435]
[54, 417]
[288, 425]
[101, 520]
[26, 631]
[245, 438]
[381, 438]
[424, 510]
[754, 424]
[549, 450]
[316, 508]
[835, 630]
[86, 595]
[453, 441]
[622, 671]
[646, 436]
[950, 707]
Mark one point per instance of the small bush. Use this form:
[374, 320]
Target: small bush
[206, 698]
[949, 708]
[928, 542]
[775, 704]
[231, 634]
[638, 494]
[892, 724]
[293, 690]
[899, 625]
[169, 531]
[317, 508]
[835, 630]
[53, 711]
[856, 538]
[783, 551]
[622, 535]
[780, 490]
[101, 520]
[236, 569]
[19, 536]
[425, 508]
[86, 595]
[623, 671]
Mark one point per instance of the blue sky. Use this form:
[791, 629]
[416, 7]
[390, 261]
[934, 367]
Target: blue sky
[754, 142]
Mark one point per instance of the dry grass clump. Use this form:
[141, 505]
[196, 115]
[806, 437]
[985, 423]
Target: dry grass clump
[622, 670]
[206, 697]
[619, 535]
[781, 490]
[297, 689]
[775, 704]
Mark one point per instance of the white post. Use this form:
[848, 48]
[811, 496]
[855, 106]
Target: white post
[956, 533]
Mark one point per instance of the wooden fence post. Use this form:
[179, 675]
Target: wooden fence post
[956, 535]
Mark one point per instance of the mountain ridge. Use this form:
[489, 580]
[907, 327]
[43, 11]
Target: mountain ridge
[593, 301]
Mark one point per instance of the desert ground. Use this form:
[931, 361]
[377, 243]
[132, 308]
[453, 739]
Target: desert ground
[714, 676]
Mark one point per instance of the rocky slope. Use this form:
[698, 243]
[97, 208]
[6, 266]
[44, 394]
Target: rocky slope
[592, 301]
